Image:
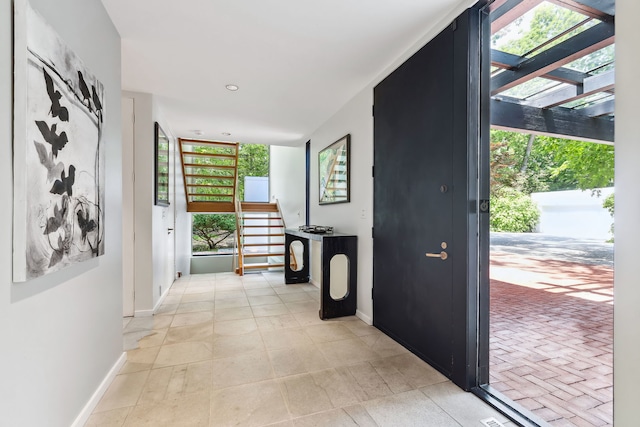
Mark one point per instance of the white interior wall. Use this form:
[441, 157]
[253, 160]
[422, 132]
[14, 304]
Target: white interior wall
[154, 267]
[353, 217]
[627, 231]
[128, 209]
[182, 223]
[162, 224]
[62, 333]
[287, 182]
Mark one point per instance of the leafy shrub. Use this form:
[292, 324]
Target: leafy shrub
[513, 211]
[609, 204]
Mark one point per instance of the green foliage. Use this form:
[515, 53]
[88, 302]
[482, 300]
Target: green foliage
[552, 164]
[512, 211]
[253, 160]
[609, 205]
[579, 165]
[512, 167]
[211, 229]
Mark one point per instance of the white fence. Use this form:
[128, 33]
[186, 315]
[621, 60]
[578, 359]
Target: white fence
[574, 214]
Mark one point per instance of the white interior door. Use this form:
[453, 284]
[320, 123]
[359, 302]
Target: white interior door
[171, 217]
[128, 254]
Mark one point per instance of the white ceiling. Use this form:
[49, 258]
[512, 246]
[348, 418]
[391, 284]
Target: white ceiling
[296, 61]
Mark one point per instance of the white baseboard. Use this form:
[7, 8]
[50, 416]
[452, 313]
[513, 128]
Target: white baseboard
[86, 412]
[149, 313]
[315, 283]
[161, 299]
[366, 319]
[144, 313]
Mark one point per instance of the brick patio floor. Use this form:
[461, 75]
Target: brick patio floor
[551, 347]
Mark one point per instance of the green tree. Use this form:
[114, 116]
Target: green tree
[213, 228]
[550, 163]
[253, 160]
[578, 164]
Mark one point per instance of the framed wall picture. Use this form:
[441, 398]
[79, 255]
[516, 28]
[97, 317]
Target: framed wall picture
[333, 167]
[161, 167]
[58, 152]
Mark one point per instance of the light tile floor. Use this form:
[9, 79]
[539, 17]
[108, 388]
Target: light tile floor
[225, 350]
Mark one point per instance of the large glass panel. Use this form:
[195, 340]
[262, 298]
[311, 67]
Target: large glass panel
[535, 31]
[530, 88]
[596, 62]
[588, 101]
[213, 234]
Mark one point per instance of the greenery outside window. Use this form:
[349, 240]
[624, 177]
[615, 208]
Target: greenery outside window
[213, 234]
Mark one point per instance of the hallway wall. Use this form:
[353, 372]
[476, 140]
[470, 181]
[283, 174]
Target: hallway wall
[287, 182]
[154, 268]
[62, 333]
[626, 346]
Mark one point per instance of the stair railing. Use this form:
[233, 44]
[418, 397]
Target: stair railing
[239, 237]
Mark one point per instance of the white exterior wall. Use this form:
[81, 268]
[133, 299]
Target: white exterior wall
[574, 213]
[61, 334]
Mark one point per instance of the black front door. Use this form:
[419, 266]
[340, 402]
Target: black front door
[425, 145]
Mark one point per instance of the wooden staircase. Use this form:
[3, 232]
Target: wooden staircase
[210, 170]
[260, 236]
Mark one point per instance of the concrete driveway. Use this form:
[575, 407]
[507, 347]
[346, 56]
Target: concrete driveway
[584, 251]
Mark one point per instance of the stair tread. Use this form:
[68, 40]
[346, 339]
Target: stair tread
[263, 254]
[262, 265]
[260, 218]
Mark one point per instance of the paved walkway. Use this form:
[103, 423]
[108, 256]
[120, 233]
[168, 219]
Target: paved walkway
[552, 337]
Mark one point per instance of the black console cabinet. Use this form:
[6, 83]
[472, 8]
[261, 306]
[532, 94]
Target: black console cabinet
[332, 244]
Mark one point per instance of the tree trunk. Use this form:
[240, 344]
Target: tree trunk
[527, 154]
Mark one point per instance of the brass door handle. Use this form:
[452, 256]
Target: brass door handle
[442, 255]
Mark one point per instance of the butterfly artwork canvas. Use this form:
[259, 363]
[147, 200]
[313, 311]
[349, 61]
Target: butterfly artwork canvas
[58, 152]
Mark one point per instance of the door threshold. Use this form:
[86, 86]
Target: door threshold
[508, 407]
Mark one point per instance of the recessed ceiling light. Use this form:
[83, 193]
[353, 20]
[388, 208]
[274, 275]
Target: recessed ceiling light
[232, 88]
[197, 132]
[226, 133]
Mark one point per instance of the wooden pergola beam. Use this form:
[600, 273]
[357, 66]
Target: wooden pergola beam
[509, 11]
[506, 60]
[603, 10]
[559, 122]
